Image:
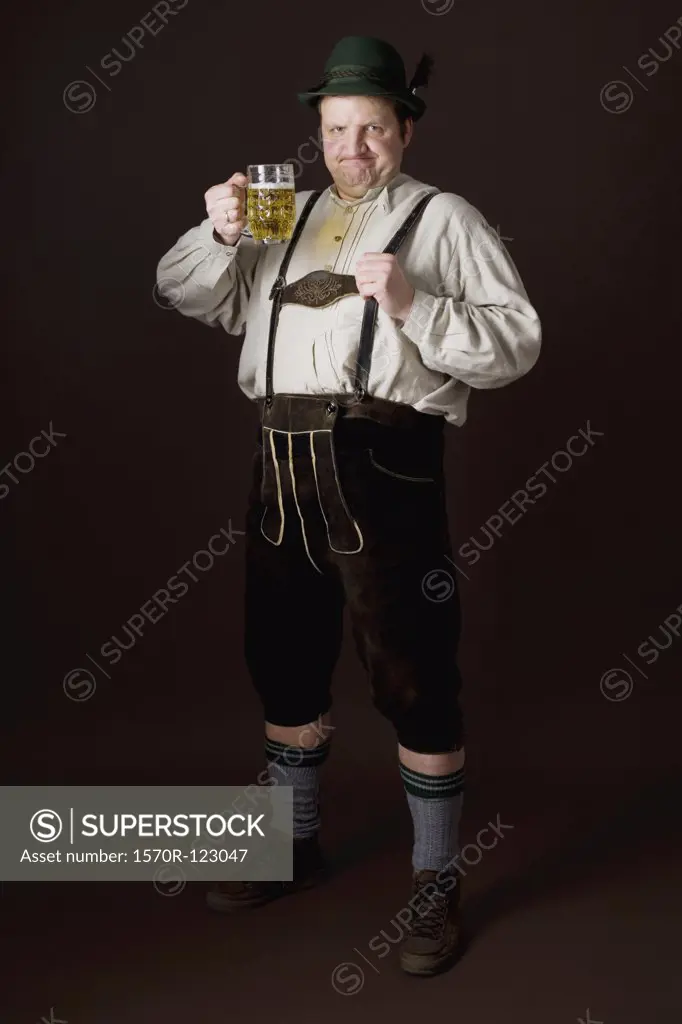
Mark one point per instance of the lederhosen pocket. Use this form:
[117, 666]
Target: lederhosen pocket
[413, 467]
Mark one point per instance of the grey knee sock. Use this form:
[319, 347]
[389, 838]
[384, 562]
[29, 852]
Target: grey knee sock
[299, 767]
[435, 802]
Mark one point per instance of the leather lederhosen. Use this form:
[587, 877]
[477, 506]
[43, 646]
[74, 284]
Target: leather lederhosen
[316, 415]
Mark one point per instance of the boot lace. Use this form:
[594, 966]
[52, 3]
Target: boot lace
[431, 910]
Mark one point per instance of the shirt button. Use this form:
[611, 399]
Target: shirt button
[338, 238]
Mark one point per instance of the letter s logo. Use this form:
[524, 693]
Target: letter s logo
[46, 826]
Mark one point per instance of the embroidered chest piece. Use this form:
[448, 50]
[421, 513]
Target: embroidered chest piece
[319, 288]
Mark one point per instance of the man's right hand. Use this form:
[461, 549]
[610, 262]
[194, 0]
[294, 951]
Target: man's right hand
[226, 207]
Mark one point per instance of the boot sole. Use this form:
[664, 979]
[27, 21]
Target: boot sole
[412, 963]
[415, 965]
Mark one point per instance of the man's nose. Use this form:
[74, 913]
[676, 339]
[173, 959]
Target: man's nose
[356, 144]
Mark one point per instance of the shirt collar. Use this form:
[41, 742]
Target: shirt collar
[382, 193]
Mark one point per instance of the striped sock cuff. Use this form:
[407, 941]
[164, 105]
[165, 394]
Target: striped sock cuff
[432, 787]
[297, 757]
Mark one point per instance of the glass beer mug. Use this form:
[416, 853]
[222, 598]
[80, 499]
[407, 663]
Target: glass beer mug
[271, 202]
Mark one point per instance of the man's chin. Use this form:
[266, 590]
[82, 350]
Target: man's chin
[358, 174]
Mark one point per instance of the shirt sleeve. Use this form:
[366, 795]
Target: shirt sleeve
[479, 326]
[209, 281]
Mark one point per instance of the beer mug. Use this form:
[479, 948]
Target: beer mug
[271, 202]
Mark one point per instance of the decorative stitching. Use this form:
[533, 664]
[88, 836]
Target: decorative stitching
[298, 507]
[319, 289]
[343, 500]
[355, 241]
[279, 494]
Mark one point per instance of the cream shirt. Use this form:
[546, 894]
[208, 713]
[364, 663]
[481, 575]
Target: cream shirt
[471, 323]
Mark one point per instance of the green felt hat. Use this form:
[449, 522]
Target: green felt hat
[365, 66]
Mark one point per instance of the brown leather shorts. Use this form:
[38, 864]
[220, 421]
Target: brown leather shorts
[349, 510]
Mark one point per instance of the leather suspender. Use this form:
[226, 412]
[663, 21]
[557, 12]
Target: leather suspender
[277, 289]
[371, 305]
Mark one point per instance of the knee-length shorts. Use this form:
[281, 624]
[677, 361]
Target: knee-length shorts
[354, 516]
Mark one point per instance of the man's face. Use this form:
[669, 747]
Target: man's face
[363, 147]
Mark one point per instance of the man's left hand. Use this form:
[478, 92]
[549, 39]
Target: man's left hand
[379, 274]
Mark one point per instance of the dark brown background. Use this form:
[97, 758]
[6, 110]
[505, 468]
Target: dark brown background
[575, 908]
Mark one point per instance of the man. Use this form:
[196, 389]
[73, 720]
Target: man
[364, 336]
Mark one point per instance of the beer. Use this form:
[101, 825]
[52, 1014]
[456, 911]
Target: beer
[271, 212]
[271, 202]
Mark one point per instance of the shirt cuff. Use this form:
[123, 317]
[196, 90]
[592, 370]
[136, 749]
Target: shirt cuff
[224, 245]
[214, 244]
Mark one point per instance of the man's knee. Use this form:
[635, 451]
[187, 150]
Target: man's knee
[421, 729]
[396, 704]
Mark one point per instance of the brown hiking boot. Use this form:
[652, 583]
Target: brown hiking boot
[432, 943]
[309, 869]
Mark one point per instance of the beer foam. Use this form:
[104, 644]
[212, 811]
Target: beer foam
[272, 184]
